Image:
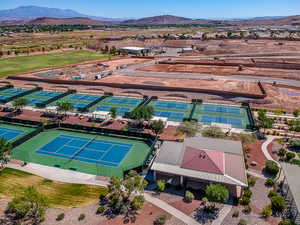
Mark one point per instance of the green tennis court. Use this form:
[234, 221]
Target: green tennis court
[40, 97]
[174, 111]
[13, 132]
[236, 116]
[10, 92]
[77, 100]
[89, 153]
[122, 104]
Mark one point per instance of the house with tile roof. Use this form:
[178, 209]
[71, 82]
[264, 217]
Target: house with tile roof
[199, 161]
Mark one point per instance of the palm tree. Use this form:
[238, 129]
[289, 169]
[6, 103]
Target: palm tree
[19, 104]
[65, 107]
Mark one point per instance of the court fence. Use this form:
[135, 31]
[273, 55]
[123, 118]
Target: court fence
[45, 103]
[6, 87]
[20, 95]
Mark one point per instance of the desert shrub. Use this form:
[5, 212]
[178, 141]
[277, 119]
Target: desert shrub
[189, 196]
[247, 194]
[290, 155]
[160, 220]
[236, 213]
[244, 201]
[217, 193]
[81, 217]
[282, 152]
[242, 222]
[247, 209]
[286, 222]
[271, 167]
[60, 217]
[295, 161]
[267, 211]
[213, 131]
[272, 193]
[100, 210]
[277, 203]
[161, 185]
[252, 181]
[269, 182]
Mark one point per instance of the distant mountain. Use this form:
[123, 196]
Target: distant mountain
[164, 19]
[27, 13]
[71, 21]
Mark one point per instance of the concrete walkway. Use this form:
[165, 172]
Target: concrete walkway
[170, 209]
[57, 174]
[265, 149]
[222, 214]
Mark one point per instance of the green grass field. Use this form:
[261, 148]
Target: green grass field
[20, 64]
[60, 195]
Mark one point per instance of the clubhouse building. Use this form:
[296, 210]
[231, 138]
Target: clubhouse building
[199, 161]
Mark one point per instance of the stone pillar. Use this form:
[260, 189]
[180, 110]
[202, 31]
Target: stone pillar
[181, 181]
[154, 175]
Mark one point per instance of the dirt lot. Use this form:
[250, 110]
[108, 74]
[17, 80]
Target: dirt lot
[221, 85]
[223, 70]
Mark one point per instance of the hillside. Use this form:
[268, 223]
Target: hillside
[26, 13]
[164, 19]
[70, 21]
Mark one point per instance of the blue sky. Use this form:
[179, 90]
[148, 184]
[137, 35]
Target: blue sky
[187, 8]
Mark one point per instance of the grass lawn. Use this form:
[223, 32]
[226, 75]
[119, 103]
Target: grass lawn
[20, 64]
[60, 195]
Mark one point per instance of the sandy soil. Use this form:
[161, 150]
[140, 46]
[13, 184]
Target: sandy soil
[223, 70]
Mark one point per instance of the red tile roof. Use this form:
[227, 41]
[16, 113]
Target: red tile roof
[209, 161]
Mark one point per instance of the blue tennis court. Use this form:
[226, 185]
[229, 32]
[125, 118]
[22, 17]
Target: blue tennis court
[13, 91]
[170, 105]
[47, 94]
[222, 109]
[220, 119]
[125, 101]
[120, 110]
[80, 97]
[9, 134]
[170, 115]
[101, 152]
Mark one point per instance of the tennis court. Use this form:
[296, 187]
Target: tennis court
[77, 100]
[13, 132]
[101, 152]
[122, 104]
[40, 97]
[174, 111]
[236, 116]
[222, 109]
[11, 92]
[89, 153]
[235, 122]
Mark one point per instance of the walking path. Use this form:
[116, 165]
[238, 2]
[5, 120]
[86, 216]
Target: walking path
[265, 149]
[170, 209]
[223, 213]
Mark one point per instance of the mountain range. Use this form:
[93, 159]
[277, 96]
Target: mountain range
[51, 16]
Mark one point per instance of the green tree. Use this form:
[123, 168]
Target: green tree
[65, 107]
[213, 131]
[5, 151]
[113, 112]
[267, 211]
[296, 112]
[157, 127]
[126, 196]
[29, 206]
[188, 128]
[19, 104]
[217, 193]
[142, 113]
